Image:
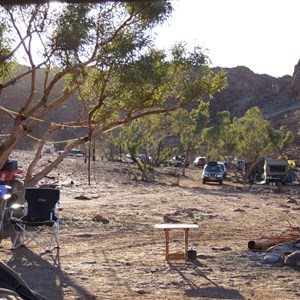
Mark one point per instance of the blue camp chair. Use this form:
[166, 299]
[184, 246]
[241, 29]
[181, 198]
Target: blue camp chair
[4, 196]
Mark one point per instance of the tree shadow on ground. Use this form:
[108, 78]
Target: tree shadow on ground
[40, 271]
[213, 292]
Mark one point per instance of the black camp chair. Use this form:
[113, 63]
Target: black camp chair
[40, 222]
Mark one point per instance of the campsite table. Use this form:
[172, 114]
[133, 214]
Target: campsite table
[167, 228]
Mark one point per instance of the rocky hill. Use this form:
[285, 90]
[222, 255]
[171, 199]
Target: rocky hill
[277, 98]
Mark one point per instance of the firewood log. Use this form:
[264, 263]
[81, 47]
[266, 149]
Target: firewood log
[288, 235]
[264, 244]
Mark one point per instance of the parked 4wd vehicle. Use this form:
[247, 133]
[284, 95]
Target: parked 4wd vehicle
[199, 161]
[212, 172]
[73, 153]
[178, 161]
[128, 159]
[76, 153]
[125, 159]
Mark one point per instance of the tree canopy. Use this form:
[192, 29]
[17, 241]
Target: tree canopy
[105, 55]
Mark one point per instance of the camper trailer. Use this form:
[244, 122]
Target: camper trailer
[275, 170]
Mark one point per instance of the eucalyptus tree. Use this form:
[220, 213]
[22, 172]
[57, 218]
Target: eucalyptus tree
[219, 138]
[252, 133]
[102, 54]
[254, 141]
[153, 132]
[281, 139]
[189, 126]
[144, 139]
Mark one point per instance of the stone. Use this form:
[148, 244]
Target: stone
[293, 259]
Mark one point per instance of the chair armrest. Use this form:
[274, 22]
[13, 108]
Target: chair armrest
[17, 206]
[57, 207]
[56, 210]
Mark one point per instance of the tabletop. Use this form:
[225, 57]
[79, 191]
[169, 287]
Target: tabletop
[176, 226]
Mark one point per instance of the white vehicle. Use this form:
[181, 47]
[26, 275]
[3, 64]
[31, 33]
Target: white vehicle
[76, 153]
[178, 161]
[73, 153]
[125, 159]
[223, 167]
[199, 161]
[275, 170]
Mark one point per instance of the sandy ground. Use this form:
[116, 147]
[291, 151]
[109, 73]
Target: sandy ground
[109, 248]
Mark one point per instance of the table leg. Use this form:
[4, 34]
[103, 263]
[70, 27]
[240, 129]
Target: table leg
[167, 242]
[186, 242]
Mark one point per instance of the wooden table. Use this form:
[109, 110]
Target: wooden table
[178, 226]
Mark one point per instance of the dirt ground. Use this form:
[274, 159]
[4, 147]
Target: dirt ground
[109, 248]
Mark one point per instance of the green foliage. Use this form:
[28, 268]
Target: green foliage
[147, 81]
[280, 138]
[72, 32]
[249, 136]
[7, 65]
[5, 48]
[251, 132]
[156, 12]
[189, 126]
[200, 116]
[219, 137]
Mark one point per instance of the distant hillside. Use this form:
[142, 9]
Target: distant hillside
[14, 97]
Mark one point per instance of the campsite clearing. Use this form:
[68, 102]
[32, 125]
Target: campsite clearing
[109, 248]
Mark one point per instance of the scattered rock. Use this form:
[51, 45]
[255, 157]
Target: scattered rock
[224, 248]
[169, 219]
[85, 235]
[292, 200]
[293, 259]
[100, 219]
[82, 197]
[239, 210]
[297, 243]
[68, 183]
[272, 258]
[279, 188]
[49, 186]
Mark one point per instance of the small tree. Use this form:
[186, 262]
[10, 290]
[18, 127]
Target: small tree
[252, 139]
[189, 126]
[219, 137]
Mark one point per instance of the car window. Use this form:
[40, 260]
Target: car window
[213, 169]
[222, 167]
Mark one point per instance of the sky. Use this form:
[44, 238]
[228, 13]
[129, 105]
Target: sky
[263, 35]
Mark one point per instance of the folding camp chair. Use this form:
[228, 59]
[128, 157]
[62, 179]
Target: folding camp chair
[40, 222]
